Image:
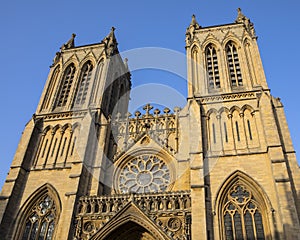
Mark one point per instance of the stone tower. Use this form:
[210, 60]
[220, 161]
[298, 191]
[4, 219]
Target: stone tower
[250, 188]
[55, 160]
[222, 167]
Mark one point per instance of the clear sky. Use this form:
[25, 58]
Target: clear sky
[32, 31]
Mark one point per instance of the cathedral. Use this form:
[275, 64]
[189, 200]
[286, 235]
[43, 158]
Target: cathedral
[221, 167]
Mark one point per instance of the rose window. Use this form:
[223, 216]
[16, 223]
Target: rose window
[144, 174]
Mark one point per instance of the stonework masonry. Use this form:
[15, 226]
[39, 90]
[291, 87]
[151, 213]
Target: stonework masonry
[221, 167]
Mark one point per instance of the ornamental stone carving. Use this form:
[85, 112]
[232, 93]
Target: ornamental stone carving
[144, 174]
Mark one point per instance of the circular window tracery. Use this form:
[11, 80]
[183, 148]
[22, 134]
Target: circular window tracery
[144, 174]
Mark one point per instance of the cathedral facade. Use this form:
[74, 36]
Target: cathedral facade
[221, 167]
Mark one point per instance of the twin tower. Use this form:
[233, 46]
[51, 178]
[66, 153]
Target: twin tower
[222, 167]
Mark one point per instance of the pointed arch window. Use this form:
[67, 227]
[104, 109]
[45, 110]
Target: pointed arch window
[66, 84]
[51, 88]
[235, 74]
[113, 93]
[212, 67]
[41, 219]
[195, 67]
[83, 84]
[241, 215]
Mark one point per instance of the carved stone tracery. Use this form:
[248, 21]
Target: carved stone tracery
[171, 212]
[162, 128]
[143, 174]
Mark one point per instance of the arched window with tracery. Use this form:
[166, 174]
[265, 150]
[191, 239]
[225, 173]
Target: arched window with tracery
[83, 84]
[212, 67]
[242, 215]
[40, 220]
[235, 74]
[65, 87]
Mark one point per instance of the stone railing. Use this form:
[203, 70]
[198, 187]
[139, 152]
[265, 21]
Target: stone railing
[129, 129]
[170, 211]
[159, 202]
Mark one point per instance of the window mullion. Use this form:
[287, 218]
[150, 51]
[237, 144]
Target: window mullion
[84, 87]
[77, 98]
[66, 85]
[254, 225]
[39, 229]
[29, 233]
[88, 76]
[233, 226]
[243, 223]
[46, 232]
[233, 64]
[213, 67]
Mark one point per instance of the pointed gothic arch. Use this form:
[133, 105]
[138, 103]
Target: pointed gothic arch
[130, 221]
[90, 57]
[234, 63]
[83, 83]
[212, 66]
[39, 215]
[66, 85]
[50, 89]
[242, 209]
[130, 230]
[195, 64]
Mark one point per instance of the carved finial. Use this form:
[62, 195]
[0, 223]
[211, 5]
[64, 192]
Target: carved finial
[147, 108]
[189, 35]
[156, 112]
[126, 63]
[70, 43]
[56, 58]
[177, 109]
[194, 21]
[137, 113]
[241, 18]
[128, 115]
[166, 111]
[110, 42]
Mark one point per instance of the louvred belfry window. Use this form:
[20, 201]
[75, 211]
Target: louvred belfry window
[64, 91]
[235, 74]
[83, 84]
[212, 67]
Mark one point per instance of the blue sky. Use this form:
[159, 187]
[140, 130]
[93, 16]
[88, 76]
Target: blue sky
[32, 31]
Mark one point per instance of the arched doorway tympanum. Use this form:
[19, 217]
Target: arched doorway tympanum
[130, 231]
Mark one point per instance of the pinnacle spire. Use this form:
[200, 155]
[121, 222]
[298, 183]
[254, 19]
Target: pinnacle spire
[194, 22]
[190, 31]
[110, 42]
[70, 43]
[241, 18]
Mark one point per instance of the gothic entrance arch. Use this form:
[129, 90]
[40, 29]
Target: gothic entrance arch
[130, 231]
[130, 223]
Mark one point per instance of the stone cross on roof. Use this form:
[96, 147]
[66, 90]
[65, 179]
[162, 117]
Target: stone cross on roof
[147, 108]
